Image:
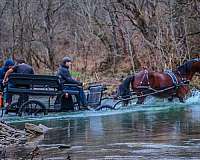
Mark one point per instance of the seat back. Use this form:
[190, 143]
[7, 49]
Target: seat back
[94, 95]
[18, 79]
[33, 83]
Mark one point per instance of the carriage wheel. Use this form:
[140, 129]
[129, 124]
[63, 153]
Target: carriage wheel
[114, 106]
[104, 107]
[14, 107]
[32, 108]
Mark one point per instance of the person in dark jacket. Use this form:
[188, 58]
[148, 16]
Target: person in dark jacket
[66, 78]
[64, 73]
[21, 68]
[8, 64]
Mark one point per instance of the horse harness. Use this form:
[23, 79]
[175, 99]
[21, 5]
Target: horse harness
[145, 84]
[145, 76]
[173, 77]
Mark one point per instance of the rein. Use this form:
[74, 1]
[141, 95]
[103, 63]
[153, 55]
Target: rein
[149, 94]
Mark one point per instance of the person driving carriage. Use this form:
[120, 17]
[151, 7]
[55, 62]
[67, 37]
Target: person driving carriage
[65, 78]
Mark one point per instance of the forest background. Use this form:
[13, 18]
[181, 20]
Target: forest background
[106, 38]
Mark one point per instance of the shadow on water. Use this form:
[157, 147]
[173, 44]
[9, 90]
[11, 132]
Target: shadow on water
[161, 131]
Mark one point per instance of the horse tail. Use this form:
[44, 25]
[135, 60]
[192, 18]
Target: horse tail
[124, 87]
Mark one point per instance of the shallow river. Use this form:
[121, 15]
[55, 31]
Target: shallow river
[156, 130]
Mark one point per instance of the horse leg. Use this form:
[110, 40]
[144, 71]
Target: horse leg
[140, 100]
[170, 99]
[181, 99]
[125, 103]
[182, 91]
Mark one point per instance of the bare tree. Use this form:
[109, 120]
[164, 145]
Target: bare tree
[100, 33]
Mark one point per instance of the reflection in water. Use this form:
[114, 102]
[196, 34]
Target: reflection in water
[96, 126]
[166, 134]
[170, 133]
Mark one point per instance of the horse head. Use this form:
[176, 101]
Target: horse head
[189, 68]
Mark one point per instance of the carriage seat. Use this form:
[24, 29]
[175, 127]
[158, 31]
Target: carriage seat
[34, 84]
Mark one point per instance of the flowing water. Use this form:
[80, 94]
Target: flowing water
[155, 130]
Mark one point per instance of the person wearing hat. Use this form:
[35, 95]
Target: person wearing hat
[22, 68]
[66, 78]
[9, 63]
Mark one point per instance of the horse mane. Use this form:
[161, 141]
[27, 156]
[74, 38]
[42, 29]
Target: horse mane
[185, 67]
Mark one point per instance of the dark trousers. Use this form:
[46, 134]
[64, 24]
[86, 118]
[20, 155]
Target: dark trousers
[81, 97]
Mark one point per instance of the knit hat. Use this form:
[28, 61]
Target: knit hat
[9, 62]
[66, 59]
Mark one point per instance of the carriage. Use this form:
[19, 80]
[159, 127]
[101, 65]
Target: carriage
[143, 84]
[41, 94]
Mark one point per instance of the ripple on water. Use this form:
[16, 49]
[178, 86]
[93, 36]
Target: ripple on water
[151, 131]
[151, 105]
[139, 150]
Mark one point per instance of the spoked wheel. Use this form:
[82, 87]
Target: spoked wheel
[104, 107]
[32, 108]
[114, 106]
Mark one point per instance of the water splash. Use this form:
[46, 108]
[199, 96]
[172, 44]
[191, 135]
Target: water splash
[150, 100]
[194, 98]
[151, 105]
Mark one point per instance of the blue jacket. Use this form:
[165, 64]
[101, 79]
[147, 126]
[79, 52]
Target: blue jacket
[2, 73]
[4, 69]
[65, 76]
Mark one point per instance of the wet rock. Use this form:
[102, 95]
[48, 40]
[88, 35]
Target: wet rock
[44, 128]
[35, 130]
[9, 135]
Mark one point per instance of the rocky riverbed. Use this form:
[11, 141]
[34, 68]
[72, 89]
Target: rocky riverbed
[16, 143]
[9, 135]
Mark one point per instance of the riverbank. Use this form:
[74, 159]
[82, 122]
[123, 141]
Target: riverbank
[9, 135]
[15, 143]
[146, 132]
